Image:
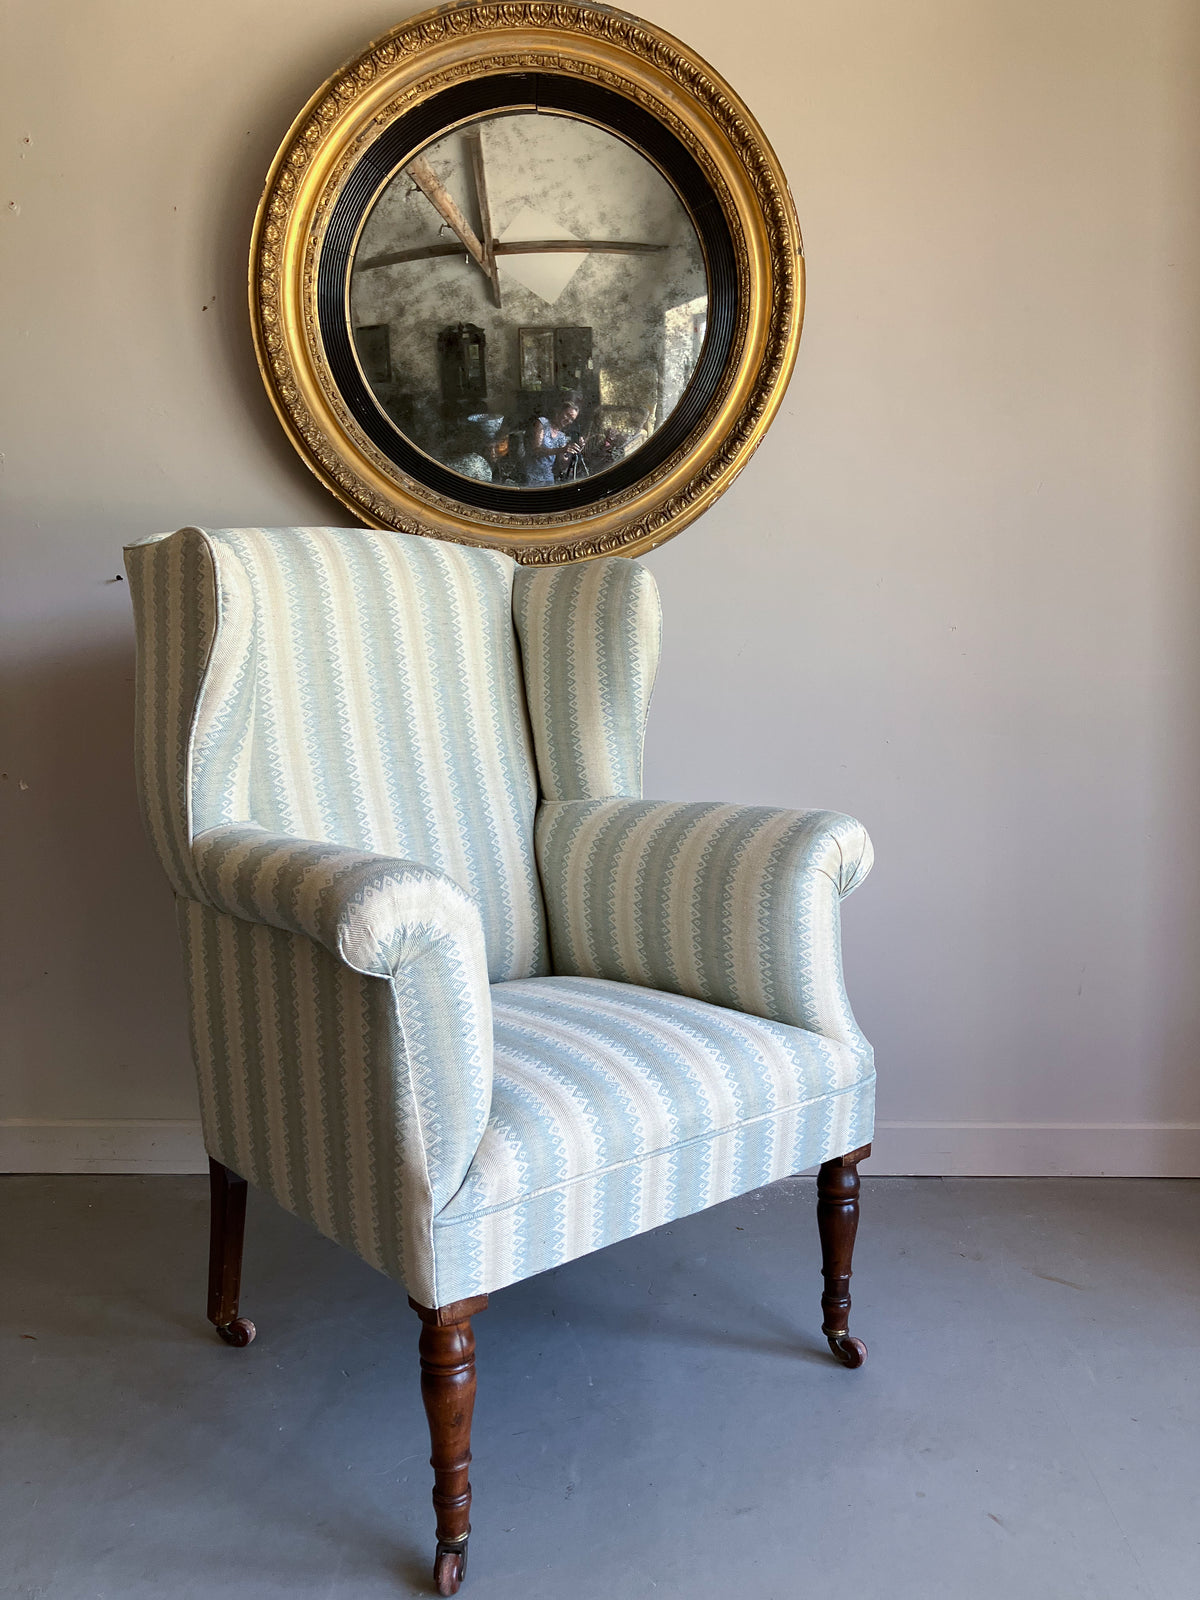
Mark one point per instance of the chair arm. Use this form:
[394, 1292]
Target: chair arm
[389, 1051]
[733, 904]
[385, 918]
[376, 913]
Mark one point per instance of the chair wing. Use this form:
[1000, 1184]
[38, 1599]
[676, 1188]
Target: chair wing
[590, 637]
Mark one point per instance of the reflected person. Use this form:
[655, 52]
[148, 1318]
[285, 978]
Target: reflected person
[548, 448]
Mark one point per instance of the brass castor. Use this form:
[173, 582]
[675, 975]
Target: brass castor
[449, 1566]
[849, 1351]
[240, 1332]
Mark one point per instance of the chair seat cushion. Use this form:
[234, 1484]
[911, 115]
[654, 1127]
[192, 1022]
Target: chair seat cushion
[616, 1108]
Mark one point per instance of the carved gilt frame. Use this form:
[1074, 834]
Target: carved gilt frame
[588, 45]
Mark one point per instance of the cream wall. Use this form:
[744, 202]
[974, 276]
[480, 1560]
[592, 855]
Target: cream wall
[955, 593]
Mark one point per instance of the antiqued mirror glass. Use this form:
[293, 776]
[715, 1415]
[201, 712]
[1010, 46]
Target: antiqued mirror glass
[528, 299]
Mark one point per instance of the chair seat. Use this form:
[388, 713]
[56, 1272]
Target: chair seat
[616, 1108]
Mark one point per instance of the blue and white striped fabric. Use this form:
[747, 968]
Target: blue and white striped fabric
[358, 905]
[615, 1109]
[362, 688]
[358, 1102]
[171, 581]
[336, 760]
[590, 637]
[734, 904]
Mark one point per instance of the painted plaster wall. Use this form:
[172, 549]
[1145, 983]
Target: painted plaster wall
[954, 593]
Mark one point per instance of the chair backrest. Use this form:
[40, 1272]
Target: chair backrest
[344, 685]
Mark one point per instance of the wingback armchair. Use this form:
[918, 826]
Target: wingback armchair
[459, 996]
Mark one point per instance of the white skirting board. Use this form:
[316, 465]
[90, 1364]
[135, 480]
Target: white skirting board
[935, 1149]
[1036, 1149]
[125, 1145]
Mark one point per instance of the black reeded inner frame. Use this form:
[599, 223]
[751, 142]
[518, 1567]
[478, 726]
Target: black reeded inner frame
[542, 92]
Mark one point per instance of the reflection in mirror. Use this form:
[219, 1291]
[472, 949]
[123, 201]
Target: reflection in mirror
[528, 299]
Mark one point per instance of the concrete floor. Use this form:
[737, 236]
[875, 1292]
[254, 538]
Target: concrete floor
[660, 1419]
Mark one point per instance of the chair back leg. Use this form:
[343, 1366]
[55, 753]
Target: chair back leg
[227, 1233]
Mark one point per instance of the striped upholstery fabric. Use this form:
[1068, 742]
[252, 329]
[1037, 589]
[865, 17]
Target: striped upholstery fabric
[590, 636]
[336, 746]
[362, 908]
[381, 707]
[734, 904]
[615, 1109]
[171, 581]
[358, 1102]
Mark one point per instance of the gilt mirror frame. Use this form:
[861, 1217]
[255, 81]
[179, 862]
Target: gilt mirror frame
[442, 70]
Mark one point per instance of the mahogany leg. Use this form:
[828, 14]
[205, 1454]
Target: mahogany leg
[837, 1220]
[448, 1390]
[227, 1231]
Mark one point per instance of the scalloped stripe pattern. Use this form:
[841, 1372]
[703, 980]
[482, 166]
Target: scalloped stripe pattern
[734, 904]
[590, 638]
[345, 685]
[616, 1109]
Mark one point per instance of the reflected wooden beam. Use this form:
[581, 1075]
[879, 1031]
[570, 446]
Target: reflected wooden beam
[537, 247]
[475, 147]
[513, 247]
[421, 252]
[435, 192]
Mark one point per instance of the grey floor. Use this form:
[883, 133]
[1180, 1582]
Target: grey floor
[660, 1419]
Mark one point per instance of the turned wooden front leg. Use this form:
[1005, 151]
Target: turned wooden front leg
[227, 1231]
[837, 1220]
[448, 1389]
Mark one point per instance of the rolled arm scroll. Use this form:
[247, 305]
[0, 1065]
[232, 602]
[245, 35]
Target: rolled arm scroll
[733, 904]
[374, 912]
[408, 925]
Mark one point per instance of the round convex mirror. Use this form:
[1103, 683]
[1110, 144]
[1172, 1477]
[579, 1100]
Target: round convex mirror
[528, 276]
[528, 300]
